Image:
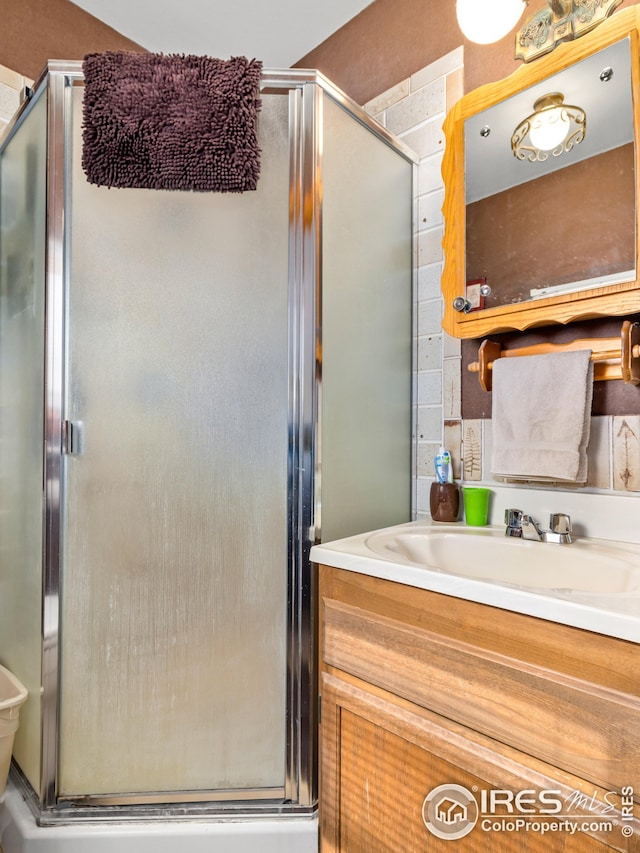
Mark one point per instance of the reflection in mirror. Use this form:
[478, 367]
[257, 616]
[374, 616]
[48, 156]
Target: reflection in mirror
[561, 223]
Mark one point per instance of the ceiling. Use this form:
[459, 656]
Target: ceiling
[278, 32]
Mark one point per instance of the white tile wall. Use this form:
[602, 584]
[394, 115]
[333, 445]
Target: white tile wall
[415, 110]
[12, 85]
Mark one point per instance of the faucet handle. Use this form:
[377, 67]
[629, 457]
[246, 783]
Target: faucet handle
[560, 523]
[513, 520]
[513, 517]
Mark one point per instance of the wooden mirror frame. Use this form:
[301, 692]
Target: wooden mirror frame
[605, 301]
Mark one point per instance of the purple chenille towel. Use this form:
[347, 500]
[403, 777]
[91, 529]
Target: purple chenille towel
[171, 122]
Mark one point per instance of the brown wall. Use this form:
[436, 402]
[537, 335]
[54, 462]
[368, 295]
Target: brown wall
[34, 31]
[384, 44]
[392, 39]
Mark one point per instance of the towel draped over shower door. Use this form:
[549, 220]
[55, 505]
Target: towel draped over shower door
[171, 122]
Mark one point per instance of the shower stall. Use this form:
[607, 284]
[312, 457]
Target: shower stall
[194, 388]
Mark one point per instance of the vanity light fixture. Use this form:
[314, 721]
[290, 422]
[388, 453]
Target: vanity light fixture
[552, 129]
[487, 21]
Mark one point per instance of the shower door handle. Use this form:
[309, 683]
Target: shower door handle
[71, 438]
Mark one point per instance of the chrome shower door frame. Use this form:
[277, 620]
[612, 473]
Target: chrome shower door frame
[306, 91]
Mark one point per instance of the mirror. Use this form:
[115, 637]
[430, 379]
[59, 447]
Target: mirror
[545, 239]
[529, 230]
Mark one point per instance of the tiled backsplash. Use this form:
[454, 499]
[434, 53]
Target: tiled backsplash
[414, 110]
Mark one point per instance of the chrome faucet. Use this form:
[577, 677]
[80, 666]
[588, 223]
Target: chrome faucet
[523, 526]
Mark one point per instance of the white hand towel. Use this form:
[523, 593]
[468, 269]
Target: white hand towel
[542, 416]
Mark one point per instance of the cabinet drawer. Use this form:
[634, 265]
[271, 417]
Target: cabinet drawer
[575, 725]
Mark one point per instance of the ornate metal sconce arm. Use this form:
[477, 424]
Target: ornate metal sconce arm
[562, 20]
[558, 7]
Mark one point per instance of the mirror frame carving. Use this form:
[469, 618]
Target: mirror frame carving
[609, 300]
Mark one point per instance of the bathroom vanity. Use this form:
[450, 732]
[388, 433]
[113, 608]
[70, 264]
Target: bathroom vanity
[534, 722]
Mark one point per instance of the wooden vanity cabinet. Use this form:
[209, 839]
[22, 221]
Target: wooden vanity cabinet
[420, 690]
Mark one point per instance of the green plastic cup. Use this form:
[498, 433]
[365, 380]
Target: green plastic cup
[476, 505]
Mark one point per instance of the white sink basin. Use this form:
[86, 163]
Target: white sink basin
[487, 554]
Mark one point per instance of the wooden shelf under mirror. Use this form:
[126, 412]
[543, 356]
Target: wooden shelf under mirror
[548, 269]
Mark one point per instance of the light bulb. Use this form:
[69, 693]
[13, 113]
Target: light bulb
[552, 127]
[486, 21]
[549, 129]
[550, 124]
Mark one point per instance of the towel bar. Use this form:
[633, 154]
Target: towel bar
[614, 358]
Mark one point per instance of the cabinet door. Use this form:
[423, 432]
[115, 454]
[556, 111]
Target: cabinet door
[396, 778]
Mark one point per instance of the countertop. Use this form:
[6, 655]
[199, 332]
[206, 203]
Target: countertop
[616, 614]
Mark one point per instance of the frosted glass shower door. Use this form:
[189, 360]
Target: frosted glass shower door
[174, 571]
[23, 182]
